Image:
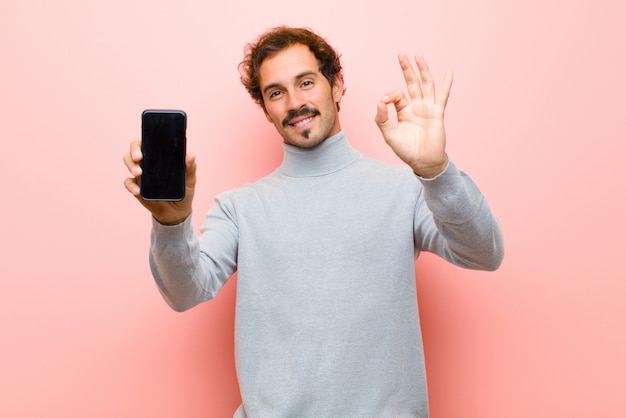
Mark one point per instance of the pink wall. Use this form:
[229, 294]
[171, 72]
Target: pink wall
[536, 117]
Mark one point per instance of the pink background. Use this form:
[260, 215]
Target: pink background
[536, 116]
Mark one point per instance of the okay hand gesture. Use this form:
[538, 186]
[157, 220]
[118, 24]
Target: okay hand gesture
[418, 137]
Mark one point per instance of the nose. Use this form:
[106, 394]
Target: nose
[296, 100]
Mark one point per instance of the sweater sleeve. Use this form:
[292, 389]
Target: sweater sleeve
[188, 269]
[453, 220]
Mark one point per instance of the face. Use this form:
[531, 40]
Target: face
[298, 99]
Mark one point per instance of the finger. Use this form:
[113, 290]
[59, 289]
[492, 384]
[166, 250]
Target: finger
[428, 84]
[135, 150]
[132, 186]
[132, 165]
[444, 94]
[382, 120]
[190, 162]
[398, 98]
[412, 81]
[133, 158]
[382, 115]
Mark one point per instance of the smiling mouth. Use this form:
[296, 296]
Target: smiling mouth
[297, 119]
[302, 122]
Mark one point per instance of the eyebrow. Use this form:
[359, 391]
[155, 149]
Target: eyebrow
[298, 77]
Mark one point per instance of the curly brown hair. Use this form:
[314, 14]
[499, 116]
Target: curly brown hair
[277, 39]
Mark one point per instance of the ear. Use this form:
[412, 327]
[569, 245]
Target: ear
[338, 89]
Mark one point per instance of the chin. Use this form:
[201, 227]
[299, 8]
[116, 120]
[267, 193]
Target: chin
[304, 143]
[303, 139]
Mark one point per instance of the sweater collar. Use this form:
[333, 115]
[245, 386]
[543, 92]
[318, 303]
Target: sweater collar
[333, 154]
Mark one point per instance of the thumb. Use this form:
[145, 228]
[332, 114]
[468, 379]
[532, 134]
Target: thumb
[191, 166]
[382, 119]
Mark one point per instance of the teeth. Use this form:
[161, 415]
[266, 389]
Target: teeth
[303, 121]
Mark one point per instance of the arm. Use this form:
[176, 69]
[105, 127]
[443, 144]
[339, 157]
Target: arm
[189, 270]
[453, 218]
[454, 221]
[186, 269]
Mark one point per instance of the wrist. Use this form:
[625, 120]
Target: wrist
[432, 170]
[171, 220]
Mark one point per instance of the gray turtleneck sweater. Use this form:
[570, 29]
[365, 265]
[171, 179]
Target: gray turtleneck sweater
[324, 248]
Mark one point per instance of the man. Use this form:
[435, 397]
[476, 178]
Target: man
[327, 321]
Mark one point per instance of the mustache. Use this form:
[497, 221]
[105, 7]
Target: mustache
[305, 111]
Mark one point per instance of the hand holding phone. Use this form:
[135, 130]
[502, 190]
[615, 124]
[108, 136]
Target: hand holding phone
[163, 145]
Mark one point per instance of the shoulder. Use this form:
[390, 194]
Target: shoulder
[246, 190]
[376, 169]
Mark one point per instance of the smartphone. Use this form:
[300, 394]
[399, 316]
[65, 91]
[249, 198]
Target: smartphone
[163, 145]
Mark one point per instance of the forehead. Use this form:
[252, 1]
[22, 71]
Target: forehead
[286, 65]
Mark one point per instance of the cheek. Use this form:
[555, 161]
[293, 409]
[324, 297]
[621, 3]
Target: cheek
[272, 114]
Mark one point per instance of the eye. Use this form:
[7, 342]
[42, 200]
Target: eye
[274, 94]
[307, 83]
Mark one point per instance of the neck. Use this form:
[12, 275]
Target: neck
[331, 155]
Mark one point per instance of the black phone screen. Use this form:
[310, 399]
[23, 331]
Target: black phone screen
[163, 144]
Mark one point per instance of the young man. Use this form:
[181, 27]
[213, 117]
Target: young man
[327, 321]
